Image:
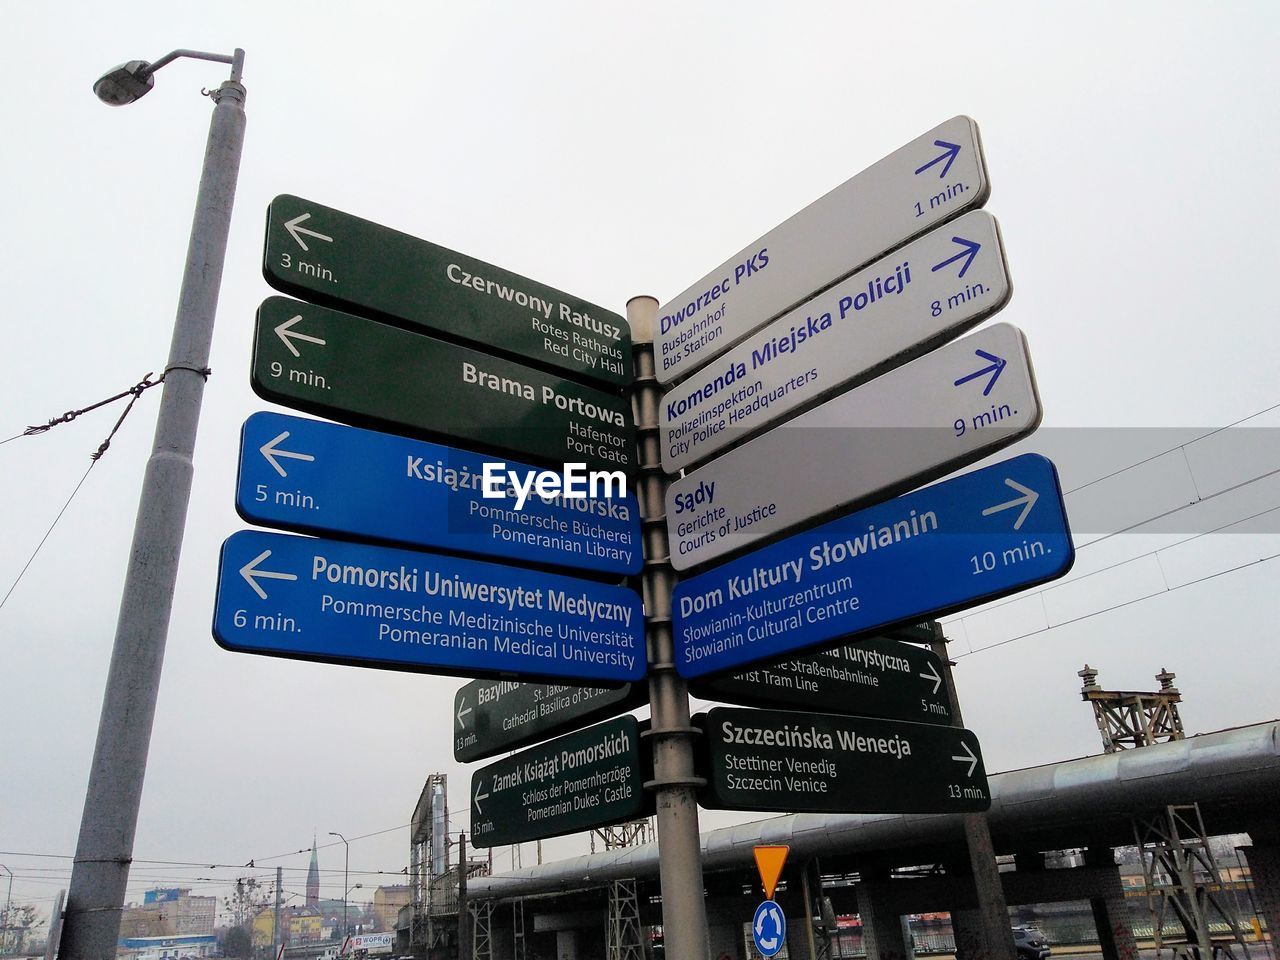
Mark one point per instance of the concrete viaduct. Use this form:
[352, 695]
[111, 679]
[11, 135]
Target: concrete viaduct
[1086, 804]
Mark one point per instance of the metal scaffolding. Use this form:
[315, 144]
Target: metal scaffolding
[520, 947]
[428, 857]
[1128, 719]
[1183, 884]
[624, 937]
[482, 927]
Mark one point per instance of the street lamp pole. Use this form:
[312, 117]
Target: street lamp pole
[346, 864]
[108, 825]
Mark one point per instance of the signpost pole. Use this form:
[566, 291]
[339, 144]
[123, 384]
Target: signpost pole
[105, 846]
[684, 913]
[993, 912]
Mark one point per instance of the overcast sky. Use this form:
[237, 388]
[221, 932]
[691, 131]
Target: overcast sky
[612, 152]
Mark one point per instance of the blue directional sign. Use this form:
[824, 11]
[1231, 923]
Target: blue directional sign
[325, 478]
[973, 538]
[769, 928]
[339, 602]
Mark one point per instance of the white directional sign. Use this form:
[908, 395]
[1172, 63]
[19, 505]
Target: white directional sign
[921, 421]
[932, 179]
[933, 289]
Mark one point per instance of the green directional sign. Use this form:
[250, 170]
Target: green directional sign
[370, 374]
[582, 780]
[876, 677]
[495, 716]
[766, 760]
[325, 256]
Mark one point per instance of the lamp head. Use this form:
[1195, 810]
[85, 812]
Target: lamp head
[125, 83]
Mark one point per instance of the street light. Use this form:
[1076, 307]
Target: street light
[346, 863]
[104, 849]
[354, 886]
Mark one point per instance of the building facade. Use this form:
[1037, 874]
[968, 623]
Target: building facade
[387, 902]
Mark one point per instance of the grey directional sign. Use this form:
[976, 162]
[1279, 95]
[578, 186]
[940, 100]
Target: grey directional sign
[898, 308]
[495, 716]
[932, 179]
[765, 760]
[582, 780]
[914, 424]
[876, 677]
[326, 256]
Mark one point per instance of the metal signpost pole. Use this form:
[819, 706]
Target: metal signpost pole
[684, 912]
[993, 912]
[105, 846]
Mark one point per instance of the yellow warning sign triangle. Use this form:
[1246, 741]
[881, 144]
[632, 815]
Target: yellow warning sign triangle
[769, 861]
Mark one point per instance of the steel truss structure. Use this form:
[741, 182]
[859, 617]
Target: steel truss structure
[1183, 883]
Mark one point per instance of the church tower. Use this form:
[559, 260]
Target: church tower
[313, 878]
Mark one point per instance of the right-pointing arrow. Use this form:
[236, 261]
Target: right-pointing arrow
[970, 250]
[995, 367]
[932, 675]
[287, 335]
[252, 574]
[271, 452]
[969, 757]
[478, 796]
[949, 153]
[1026, 501]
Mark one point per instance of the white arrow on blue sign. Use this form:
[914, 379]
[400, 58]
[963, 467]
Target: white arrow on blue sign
[325, 478]
[898, 308]
[960, 542]
[769, 928]
[352, 603]
[932, 179]
[914, 424]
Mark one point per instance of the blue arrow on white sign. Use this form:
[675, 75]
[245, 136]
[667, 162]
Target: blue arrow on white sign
[326, 478]
[933, 179]
[337, 602]
[961, 542]
[918, 422]
[881, 317]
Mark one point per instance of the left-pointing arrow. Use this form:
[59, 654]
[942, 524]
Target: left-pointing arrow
[478, 796]
[461, 714]
[272, 453]
[287, 335]
[252, 574]
[296, 231]
[969, 757]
